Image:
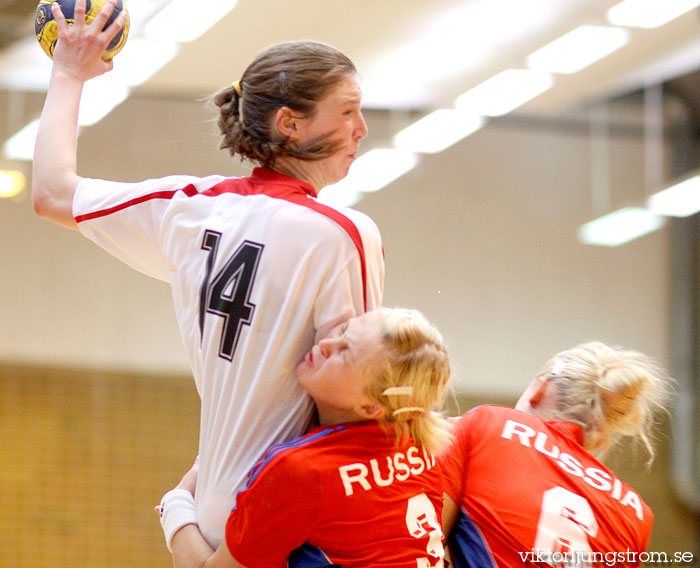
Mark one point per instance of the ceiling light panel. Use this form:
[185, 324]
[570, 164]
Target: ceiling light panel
[619, 227]
[376, 169]
[578, 49]
[184, 21]
[141, 59]
[504, 92]
[20, 146]
[455, 42]
[649, 13]
[679, 200]
[339, 196]
[437, 131]
[100, 96]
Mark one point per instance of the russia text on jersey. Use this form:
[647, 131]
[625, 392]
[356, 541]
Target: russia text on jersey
[596, 478]
[398, 467]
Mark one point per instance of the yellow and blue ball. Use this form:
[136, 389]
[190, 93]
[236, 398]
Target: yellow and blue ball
[46, 28]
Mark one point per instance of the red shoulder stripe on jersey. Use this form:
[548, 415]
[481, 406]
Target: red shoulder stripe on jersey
[268, 182]
[189, 190]
[263, 182]
[278, 186]
[346, 224]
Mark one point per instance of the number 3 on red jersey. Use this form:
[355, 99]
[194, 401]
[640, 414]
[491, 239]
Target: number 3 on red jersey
[421, 520]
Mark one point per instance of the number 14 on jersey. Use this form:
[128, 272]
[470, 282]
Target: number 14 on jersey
[227, 294]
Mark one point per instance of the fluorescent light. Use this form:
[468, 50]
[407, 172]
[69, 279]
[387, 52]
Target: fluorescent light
[504, 92]
[457, 40]
[578, 49]
[375, 169]
[11, 183]
[20, 146]
[23, 67]
[338, 195]
[437, 131]
[648, 13]
[619, 227]
[141, 58]
[679, 200]
[184, 20]
[430, 59]
[100, 96]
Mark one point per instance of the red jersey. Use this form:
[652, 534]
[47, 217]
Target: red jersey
[530, 494]
[346, 492]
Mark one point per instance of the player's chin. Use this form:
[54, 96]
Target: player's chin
[304, 372]
[301, 371]
[341, 172]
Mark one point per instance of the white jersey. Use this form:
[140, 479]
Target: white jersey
[259, 270]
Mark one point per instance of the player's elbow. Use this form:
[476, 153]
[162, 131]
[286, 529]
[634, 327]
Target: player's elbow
[39, 199]
[42, 199]
[57, 206]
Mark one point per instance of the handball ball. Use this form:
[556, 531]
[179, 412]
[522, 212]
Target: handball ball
[46, 28]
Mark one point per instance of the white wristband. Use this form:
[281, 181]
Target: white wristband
[176, 511]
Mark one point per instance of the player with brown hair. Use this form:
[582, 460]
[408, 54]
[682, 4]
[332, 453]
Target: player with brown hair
[259, 268]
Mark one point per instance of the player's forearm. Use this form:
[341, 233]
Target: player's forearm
[190, 549]
[55, 177]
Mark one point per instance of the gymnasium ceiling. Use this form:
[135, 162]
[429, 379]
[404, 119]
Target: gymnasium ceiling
[390, 42]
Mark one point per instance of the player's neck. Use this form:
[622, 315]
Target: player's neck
[328, 415]
[301, 170]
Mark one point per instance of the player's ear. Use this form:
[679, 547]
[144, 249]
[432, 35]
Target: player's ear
[371, 411]
[538, 391]
[288, 123]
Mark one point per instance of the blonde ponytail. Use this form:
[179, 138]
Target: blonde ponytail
[412, 385]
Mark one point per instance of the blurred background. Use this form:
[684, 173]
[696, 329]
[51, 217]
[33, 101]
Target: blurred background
[532, 166]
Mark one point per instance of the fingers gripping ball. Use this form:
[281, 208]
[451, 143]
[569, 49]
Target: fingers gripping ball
[46, 28]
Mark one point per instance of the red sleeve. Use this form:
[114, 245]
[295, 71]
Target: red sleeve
[454, 460]
[274, 515]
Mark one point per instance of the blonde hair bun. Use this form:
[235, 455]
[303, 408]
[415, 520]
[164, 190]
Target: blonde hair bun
[610, 391]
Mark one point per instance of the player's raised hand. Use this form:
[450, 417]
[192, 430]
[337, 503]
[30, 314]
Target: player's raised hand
[81, 45]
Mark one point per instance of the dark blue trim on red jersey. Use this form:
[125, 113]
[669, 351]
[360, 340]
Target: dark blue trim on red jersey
[468, 547]
[308, 556]
[274, 451]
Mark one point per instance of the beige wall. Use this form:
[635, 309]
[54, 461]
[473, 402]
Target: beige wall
[481, 237]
